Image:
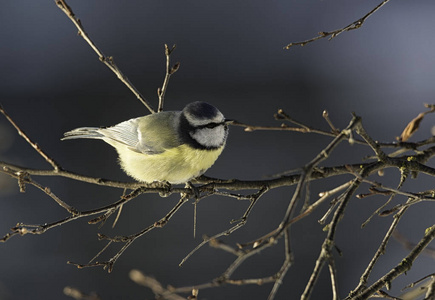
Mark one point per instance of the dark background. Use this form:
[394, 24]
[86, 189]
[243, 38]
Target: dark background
[232, 56]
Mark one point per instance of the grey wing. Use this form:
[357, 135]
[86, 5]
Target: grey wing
[151, 134]
[127, 133]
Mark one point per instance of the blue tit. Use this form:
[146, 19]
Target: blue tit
[172, 146]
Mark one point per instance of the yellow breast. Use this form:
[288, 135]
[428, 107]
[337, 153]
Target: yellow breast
[175, 165]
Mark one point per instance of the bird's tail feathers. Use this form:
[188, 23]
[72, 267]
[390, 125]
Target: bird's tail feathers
[83, 133]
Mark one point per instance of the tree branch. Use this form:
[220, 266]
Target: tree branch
[400, 268]
[416, 162]
[332, 34]
[35, 146]
[107, 60]
[169, 71]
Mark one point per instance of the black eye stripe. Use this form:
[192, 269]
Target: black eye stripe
[209, 125]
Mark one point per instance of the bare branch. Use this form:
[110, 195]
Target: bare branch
[430, 294]
[334, 129]
[407, 157]
[325, 252]
[23, 229]
[400, 268]
[281, 115]
[79, 295]
[332, 34]
[240, 223]
[333, 275]
[107, 60]
[381, 250]
[128, 240]
[169, 71]
[149, 282]
[35, 146]
[24, 178]
[302, 128]
[416, 162]
[284, 268]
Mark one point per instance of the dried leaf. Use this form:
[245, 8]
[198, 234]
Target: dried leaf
[411, 128]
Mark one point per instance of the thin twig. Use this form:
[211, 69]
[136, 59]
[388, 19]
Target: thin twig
[430, 294]
[407, 244]
[240, 223]
[325, 252]
[333, 275]
[308, 169]
[218, 244]
[281, 115]
[417, 291]
[149, 282]
[332, 34]
[334, 129]
[24, 178]
[381, 250]
[101, 252]
[284, 268]
[79, 295]
[399, 269]
[128, 240]
[117, 216]
[107, 60]
[22, 229]
[35, 146]
[282, 127]
[373, 144]
[169, 71]
[323, 196]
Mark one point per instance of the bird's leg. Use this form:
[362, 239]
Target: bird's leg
[195, 192]
[166, 186]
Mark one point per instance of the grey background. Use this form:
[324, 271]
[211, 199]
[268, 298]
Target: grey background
[232, 56]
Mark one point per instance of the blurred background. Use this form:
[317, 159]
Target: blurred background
[232, 56]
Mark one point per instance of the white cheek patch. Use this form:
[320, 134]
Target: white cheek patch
[210, 137]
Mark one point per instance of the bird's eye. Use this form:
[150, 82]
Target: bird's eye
[211, 125]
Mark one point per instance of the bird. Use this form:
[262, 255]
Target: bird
[168, 146]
